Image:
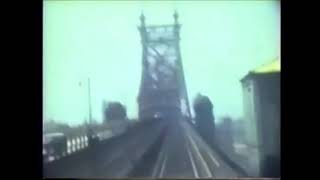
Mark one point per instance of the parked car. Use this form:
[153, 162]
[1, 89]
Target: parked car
[54, 144]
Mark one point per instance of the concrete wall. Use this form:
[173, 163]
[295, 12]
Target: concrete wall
[249, 92]
[261, 97]
[269, 123]
[251, 132]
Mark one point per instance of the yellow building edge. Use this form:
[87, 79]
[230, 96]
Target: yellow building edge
[269, 68]
[273, 66]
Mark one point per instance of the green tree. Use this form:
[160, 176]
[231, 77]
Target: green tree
[204, 118]
[115, 111]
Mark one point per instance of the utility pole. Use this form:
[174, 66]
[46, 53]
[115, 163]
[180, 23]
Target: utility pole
[88, 122]
[90, 130]
[89, 99]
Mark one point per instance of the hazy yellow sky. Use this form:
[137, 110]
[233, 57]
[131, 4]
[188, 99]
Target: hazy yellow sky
[220, 42]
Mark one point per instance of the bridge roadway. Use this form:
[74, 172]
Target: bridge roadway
[185, 154]
[159, 148]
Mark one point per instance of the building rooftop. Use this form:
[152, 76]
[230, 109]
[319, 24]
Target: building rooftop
[273, 66]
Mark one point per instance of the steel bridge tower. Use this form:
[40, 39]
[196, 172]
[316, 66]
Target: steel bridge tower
[163, 91]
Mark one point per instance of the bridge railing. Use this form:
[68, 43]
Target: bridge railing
[53, 152]
[115, 156]
[76, 144]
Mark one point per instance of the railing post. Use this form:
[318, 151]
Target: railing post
[86, 141]
[68, 146]
[73, 145]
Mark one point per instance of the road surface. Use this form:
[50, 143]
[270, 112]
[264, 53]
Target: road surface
[185, 155]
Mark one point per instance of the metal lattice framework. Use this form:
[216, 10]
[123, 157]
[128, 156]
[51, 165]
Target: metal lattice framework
[163, 89]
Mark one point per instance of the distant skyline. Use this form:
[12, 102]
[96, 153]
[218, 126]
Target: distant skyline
[220, 42]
